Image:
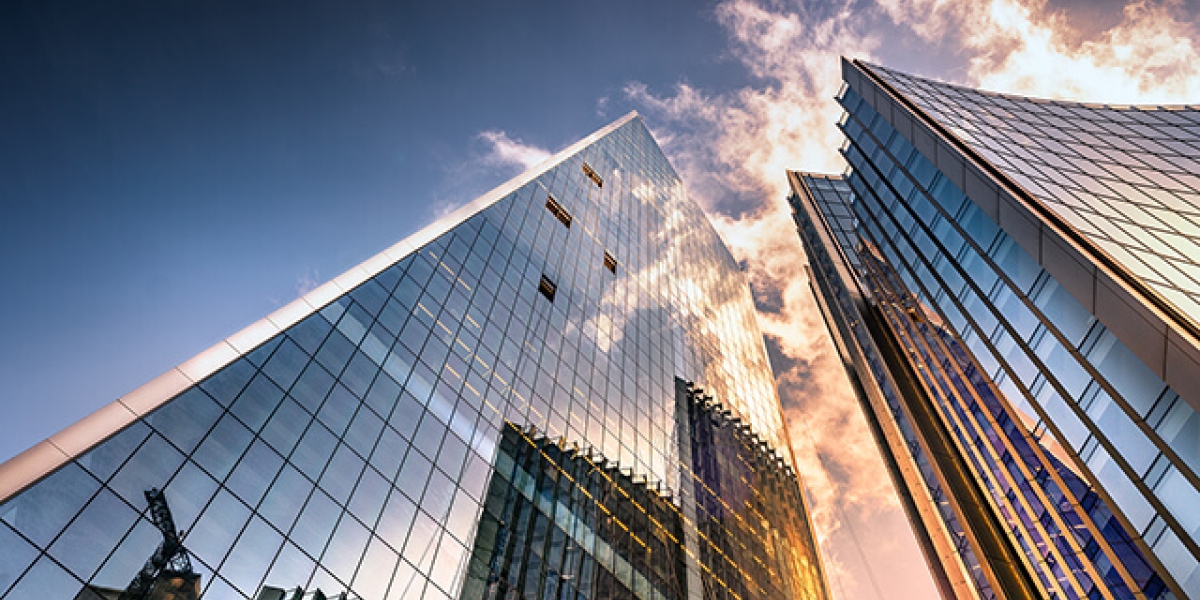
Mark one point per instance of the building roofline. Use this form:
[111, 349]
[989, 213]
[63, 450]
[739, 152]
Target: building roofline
[27, 468]
[1035, 99]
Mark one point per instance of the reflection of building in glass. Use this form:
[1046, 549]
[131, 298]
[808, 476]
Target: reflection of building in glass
[1011, 284]
[343, 446]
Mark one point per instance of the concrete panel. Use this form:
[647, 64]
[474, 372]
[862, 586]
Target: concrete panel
[26, 468]
[352, 278]
[980, 189]
[925, 142]
[1141, 331]
[1070, 269]
[903, 123]
[291, 313]
[89, 431]
[1183, 369]
[950, 162]
[1016, 222]
[153, 394]
[249, 338]
[206, 363]
[323, 294]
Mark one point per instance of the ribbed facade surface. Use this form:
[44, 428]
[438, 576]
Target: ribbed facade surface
[1010, 284]
[495, 408]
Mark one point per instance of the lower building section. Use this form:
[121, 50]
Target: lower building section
[1003, 508]
[561, 521]
[564, 523]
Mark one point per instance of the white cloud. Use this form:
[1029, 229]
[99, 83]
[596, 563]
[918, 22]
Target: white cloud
[506, 151]
[1150, 56]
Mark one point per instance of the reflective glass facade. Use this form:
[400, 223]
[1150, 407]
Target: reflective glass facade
[1128, 178]
[374, 439]
[1059, 462]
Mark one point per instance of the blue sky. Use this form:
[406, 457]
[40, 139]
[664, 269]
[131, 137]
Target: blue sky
[170, 173]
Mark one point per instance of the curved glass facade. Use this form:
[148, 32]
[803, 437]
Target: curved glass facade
[353, 451]
[1082, 455]
[1128, 177]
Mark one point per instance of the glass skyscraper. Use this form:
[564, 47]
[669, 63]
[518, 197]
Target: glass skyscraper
[557, 391]
[1013, 286]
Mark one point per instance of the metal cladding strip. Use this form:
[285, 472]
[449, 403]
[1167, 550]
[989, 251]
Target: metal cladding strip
[45, 457]
[1182, 373]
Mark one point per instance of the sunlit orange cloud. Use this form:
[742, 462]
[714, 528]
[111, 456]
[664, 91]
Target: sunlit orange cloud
[732, 149]
[1151, 56]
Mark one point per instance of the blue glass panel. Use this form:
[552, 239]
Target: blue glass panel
[363, 432]
[218, 527]
[93, 534]
[338, 409]
[185, 420]
[312, 387]
[223, 446]
[45, 580]
[1136, 383]
[316, 523]
[104, 460]
[15, 555]
[310, 333]
[285, 498]
[188, 494]
[130, 556]
[343, 472]
[292, 568]
[285, 427]
[41, 511]
[257, 401]
[369, 496]
[346, 548]
[314, 451]
[151, 467]
[226, 384]
[247, 563]
[254, 473]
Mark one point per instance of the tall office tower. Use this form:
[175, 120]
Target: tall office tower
[559, 390]
[1013, 286]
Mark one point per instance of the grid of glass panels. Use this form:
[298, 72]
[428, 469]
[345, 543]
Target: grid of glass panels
[560, 524]
[752, 522]
[1127, 177]
[835, 200]
[352, 451]
[1059, 369]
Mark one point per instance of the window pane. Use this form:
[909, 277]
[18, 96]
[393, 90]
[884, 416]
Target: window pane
[285, 498]
[15, 555]
[94, 534]
[217, 529]
[186, 419]
[152, 467]
[254, 473]
[221, 449]
[42, 510]
[248, 562]
[46, 580]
